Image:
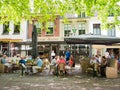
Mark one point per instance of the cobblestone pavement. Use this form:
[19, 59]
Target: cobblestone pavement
[45, 81]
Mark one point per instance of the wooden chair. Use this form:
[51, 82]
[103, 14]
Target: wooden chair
[61, 69]
[2, 67]
[112, 72]
[46, 63]
[15, 67]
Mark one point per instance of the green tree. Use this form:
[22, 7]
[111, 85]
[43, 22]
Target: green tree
[44, 10]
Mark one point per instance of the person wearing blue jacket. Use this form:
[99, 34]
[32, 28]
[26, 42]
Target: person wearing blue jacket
[67, 56]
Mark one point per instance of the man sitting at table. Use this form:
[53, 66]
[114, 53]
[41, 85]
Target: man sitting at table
[6, 63]
[39, 64]
[22, 64]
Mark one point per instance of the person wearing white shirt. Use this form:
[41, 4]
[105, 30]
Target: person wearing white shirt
[52, 54]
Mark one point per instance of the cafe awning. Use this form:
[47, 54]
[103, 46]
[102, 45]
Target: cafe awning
[92, 39]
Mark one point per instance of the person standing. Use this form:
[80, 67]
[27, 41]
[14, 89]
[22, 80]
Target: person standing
[67, 56]
[52, 54]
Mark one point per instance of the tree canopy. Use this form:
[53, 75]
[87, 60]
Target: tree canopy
[44, 10]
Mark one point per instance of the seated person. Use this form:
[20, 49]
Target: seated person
[8, 65]
[71, 61]
[22, 64]
[94, 65]
[61, 60]
[46, 63]
[103, 66]
[70, 64]
[53, 63]
[39, 64]
[29, 57]
[16, 59]
[22, 61]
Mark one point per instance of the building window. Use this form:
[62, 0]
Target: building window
[67, 29]
[82, 15]
[96, 29]
[17, 28]
[81, 28]
[6, 28]
[38, 27]
[111, 30]
[50, 29]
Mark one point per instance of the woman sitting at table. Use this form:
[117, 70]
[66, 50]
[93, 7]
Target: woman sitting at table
[71, 61]
[39, 64]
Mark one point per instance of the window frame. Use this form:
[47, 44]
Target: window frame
[81, 28]
[50, 27]
[82, 14]
[67, 29]
[96, 29]
[5, 27]
[17, 26]
[111, 30]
